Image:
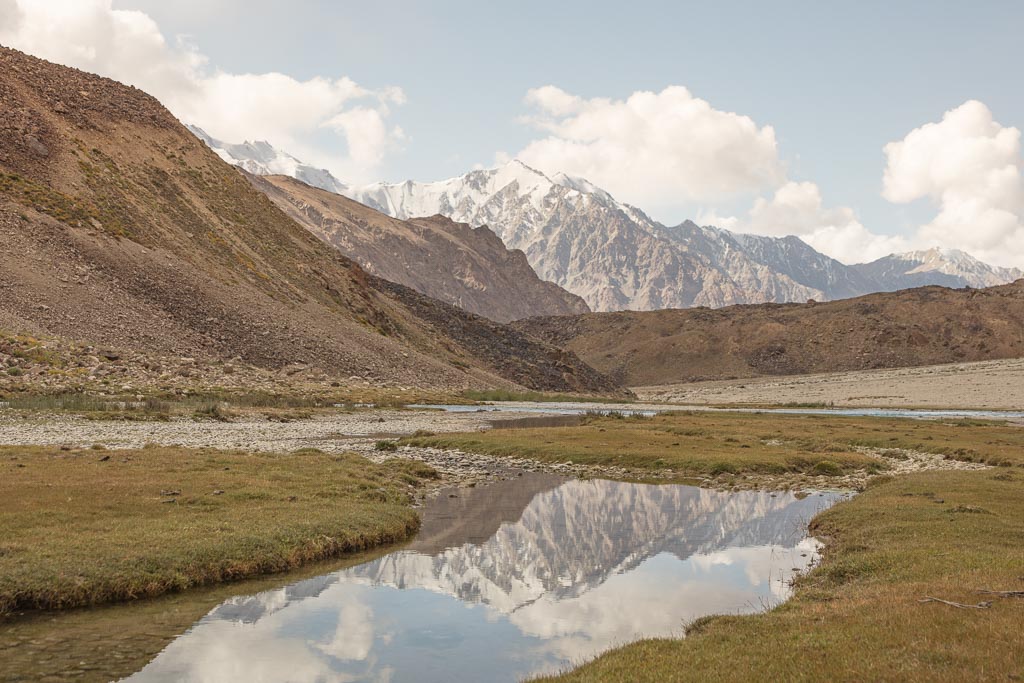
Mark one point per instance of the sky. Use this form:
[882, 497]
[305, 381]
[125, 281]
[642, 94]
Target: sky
[864, 128]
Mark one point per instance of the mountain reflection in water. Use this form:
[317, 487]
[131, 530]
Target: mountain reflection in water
[522, 577]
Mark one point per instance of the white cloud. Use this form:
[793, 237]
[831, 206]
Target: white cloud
[652, 149]
[796, 208]
[666, 149]
[129, 46]
[970, 166]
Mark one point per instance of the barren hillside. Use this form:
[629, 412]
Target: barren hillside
[914, 327]
[118, 227]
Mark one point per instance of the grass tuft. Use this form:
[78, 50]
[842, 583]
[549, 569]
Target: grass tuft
[708, 443]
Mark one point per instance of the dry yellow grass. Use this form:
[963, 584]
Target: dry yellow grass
[83, 527]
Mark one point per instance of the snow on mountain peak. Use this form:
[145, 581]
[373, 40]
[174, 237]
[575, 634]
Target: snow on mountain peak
[958, 268]
[262, 158]
[612, 254]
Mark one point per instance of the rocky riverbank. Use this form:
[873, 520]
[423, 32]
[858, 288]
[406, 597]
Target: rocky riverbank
[360, 431]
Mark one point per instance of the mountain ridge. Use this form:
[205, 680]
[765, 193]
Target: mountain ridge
[616, 257]
[930, 325]
[119, 228]
[452, 262]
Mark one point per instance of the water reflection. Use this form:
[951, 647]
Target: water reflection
[519, 578]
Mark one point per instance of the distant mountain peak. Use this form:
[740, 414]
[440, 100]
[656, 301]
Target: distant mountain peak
[262, 158]
[937, 265]
[614, 255]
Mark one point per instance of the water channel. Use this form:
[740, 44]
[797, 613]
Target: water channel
[532, 574]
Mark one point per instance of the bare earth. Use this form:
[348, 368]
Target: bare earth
[987, 385]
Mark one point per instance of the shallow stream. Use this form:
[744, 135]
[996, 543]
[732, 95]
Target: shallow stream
[532, 574]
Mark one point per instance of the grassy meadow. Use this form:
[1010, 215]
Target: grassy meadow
[83, 527]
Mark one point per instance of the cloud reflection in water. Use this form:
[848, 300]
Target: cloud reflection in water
[522, 577]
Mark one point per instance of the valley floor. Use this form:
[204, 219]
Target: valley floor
[89, 526]
[947, 525]
[987, 385]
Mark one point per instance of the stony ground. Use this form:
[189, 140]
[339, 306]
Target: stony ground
[357, 431]
[988, 385]
[360, 431]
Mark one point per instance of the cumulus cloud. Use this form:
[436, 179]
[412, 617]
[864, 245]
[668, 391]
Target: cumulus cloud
[652, 148]
[796, 208]
[129, 46]
[666, 149]
[967, 164]
[669, 148]
[971, 168]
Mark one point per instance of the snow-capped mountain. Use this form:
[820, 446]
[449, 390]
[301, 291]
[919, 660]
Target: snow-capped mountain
[949, 267]
[261, 158]
[615, 256]
[579, 236]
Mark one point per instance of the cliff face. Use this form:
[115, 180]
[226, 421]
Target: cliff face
[119, 227]
[468, 267]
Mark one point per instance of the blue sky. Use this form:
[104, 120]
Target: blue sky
[835, 82]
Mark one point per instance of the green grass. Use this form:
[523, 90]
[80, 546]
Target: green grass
[712, 443]
[84, 527]
[858, 616]
[68, 209]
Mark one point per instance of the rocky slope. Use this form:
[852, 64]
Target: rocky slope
[923, 326]
[578, 236]
[616, 257]
[453, 262]
[119, 228]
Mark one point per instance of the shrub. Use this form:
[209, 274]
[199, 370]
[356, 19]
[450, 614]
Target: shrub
[827, 468]
[389, 446]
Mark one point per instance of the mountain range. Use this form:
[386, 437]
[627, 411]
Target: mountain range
[120, 229]
[615, 256]
[453, 262]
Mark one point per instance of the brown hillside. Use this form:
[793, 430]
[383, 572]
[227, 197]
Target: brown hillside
[452, 262]
[118, 227]
[924, 326]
